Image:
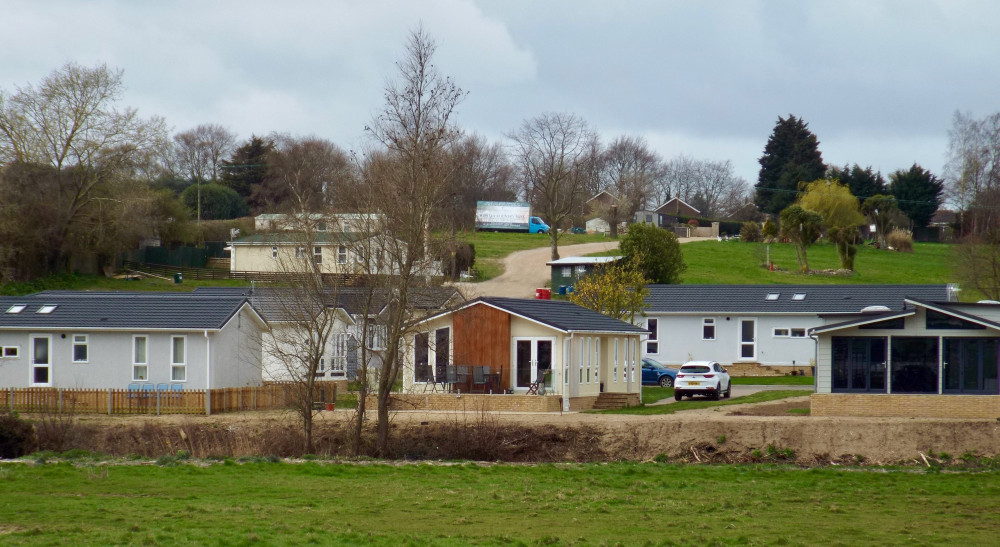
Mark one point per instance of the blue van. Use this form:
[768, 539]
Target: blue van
[537, 226]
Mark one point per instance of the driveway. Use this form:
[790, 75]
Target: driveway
[524, 271]
[744, 390]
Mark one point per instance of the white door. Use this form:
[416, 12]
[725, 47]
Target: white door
[41, 361]
[748, 340]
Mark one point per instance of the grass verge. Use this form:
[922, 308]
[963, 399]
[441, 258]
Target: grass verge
[773, 380]
[467, 504]
[692, 404]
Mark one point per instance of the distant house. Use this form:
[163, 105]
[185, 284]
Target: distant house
[673, 209]
[321, 222]
[603, 201]
[542, 346]
[342, 253]
[759, 324]
[928, 358]
[597, 225]
[567, 271]
[111, 340]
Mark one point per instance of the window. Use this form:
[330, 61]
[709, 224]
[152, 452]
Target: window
[140, 366]
[47, 309]
[421, 353]
[614, 374]
[274, 253]
[938, 320]
[772, 296]
[318, 255]
[178, 358]
[914, 365]
[441, 339]
[799, 296]
[567, 271]
[16, 308]
[321, 227]
[300, 252]
[342, 255]
[897, 324]
[41, 364]
[780, 333]
[581, 271]
[798, 333]
[652, 346]
[80, 344]
[708, 328]
[375, 337]
[9, 352]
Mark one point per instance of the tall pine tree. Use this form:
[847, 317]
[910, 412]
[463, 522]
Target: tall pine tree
[863, 183]
[791, 156]
[917, 192]
[247, 166]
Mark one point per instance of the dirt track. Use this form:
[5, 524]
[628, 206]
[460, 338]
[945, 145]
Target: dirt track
[524, 271]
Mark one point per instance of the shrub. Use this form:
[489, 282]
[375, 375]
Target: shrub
[693, 223]
[17, 436]
[900, 240]
[750, 232]
[658, 251]
[465, 258]
[770, 229]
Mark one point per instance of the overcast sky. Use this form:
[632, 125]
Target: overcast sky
[877, 81]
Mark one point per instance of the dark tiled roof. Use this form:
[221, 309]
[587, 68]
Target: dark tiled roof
[121, 310]
[563, 315]
[753, 298]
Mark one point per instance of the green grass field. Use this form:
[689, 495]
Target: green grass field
[491, 247]
[470, 504]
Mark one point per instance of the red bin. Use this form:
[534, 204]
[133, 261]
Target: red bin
[543, 294]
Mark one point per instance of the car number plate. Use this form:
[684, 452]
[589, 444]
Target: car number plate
[694, 383]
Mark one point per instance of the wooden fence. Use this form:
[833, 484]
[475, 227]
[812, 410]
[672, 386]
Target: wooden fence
[122, 401]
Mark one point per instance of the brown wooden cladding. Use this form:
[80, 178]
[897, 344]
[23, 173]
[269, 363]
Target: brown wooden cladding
[482, 337]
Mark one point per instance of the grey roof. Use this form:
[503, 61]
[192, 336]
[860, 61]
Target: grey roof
[121, 310]
[862, 319]
[299, 238]
[825, 299]
[562, 315]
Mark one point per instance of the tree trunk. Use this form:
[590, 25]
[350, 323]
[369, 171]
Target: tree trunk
[554, 235]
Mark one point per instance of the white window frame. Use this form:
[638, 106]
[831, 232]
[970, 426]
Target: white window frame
[138, 364]
[85, 342]
[16, 353]
[580, 271]
[614, 374]
[317, 254]
[342, 254]
[797, 332]
[567, 271]
[175, 365]
[47, 309]
[300, 252]
[706, 321]
[652, 343]
[274, 253]
[781, 332]
[16, 308]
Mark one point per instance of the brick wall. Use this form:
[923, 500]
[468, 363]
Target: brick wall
[922, 406]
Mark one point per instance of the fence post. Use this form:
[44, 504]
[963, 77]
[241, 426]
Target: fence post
[158, 402]
[11, 400]
[109, 401]
[208, 402]
[60, 403]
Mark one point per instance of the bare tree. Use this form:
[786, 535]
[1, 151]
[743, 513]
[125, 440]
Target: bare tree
[973, 168]
[304, 174]
[69, 123]
[549, 150]
[628, 170]
[407, 182]
[710, 186]
[199, 152]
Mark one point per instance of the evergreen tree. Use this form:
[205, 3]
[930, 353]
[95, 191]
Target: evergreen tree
[247, 167]
[863, 183]
[791, 156]
[917, 193]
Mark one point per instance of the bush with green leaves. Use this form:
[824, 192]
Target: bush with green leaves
[657, 250]
[770, 229]
[217, 202]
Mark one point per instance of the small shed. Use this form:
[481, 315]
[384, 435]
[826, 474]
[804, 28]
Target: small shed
[567, 271]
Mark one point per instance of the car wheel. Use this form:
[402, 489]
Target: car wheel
[666, 381]
[678, 395]
[716, 393]
[729, 391]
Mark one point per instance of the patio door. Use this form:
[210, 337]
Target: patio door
[531, 357]
[41, 361]
[748, 339]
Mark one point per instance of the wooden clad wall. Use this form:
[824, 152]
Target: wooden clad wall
[482, 337]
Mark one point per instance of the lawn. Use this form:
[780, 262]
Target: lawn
[491, 247]
[653, 394]
[470, 504]
[733, 262]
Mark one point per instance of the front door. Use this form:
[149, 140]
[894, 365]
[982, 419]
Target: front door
[41, 361]
[748, 340]
[532, 356]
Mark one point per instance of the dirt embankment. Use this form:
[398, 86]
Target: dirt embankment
[739, 433]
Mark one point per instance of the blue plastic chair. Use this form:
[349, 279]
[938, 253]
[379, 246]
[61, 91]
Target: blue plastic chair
[133, 390]
[176, 389]
[162, 387]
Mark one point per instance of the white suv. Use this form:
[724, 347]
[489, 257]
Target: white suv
[702, 378]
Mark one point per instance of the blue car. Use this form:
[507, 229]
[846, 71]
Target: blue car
[655, 374]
